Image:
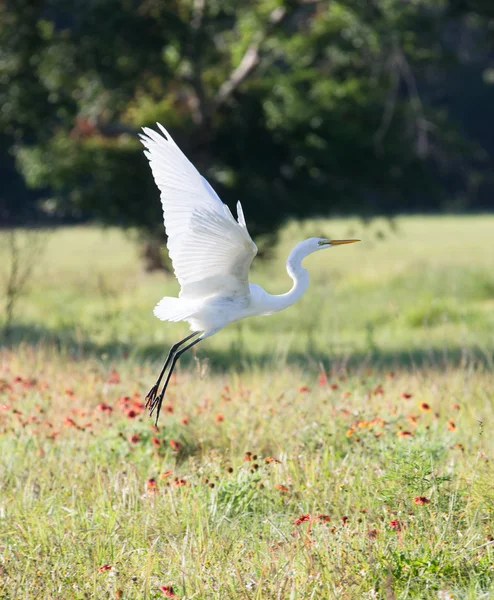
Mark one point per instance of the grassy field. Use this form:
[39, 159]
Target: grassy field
[342, 449]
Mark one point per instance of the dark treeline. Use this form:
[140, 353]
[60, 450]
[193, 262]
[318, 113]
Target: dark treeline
[294, 107]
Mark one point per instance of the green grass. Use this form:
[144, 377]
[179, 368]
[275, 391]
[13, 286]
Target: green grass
[375, 390]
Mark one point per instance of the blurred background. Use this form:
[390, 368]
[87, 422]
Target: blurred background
[301, 109]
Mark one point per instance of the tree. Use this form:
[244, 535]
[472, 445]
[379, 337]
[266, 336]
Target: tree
[294, 107]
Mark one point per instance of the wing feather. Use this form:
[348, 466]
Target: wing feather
[211, 252]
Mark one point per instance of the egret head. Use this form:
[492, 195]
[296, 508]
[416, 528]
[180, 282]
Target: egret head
[324, 243]
[313, 245]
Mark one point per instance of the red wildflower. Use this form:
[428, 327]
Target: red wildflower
[396, 525]
[104, 568]
[425, 407]
[334, 386]
[185, 420]
[421, 500]
[168, 591]
[344, 518]
[281, 488]
[131, 414]
[323, 518]
[372, 534]
[179, 482]
[406, 396]
[69, 392]
[113, 377]
[301, 519]
[455, 406]
[271, 459]
[404, 434]
[451, 425]
[304, 389]
[68, 422]
[168, 408]
[166, 474]
[175, 445]
[219, 418]
[247, 456]
[135, 438]
[151, 484]
[378, 390]
[323, 380]
[155, 441]
[104, 407]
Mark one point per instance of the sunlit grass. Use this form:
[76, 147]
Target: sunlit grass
[342, 449]
[429, 282]
[87, 482]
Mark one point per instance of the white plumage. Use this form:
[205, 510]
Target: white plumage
[211, 253]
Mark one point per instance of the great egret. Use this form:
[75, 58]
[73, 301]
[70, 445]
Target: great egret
[211, 254]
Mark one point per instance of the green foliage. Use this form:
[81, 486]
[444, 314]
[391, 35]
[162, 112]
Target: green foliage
[293, 108]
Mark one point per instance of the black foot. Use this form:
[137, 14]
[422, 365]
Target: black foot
[152, 398]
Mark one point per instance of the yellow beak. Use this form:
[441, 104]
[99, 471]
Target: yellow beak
[340, 242]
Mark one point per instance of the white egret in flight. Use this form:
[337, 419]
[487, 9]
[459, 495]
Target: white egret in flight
[211, 254]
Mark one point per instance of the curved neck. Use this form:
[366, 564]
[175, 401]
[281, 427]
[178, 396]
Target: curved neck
[299, 275]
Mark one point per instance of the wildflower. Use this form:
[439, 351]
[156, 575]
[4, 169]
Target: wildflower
[247, 456]
[179, 482]
[70, 393]
[396, 525]
[104, 568]
[378, 390]
[350, 432]
[168, 408]
[403, 434]
[135, 438]
[322, 379]
[175, 445]
[113, 377]
[151, 484]
[131, 414]
[425, 407]
[155, 441]
[166, 474]
[304, 389]
[372, 534]
[413, 419]
[271, 459]
[185, 420]
[334, 386]
[281, 488]
[68, 422]
[104, 407]
[344, 519]
[301, 519]
[168, 591]
[459, 447]
[406, 396]
[451, 425]
[323, 518]
[219, 418]
[421, 500]
[455, 406]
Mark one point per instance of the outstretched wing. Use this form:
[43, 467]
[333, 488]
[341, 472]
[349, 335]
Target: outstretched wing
[211, 252]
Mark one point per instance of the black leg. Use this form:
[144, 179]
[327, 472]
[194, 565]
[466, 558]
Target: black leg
[151, 399]
[159, 400]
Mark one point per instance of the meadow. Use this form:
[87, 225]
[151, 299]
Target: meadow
[342, 449]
